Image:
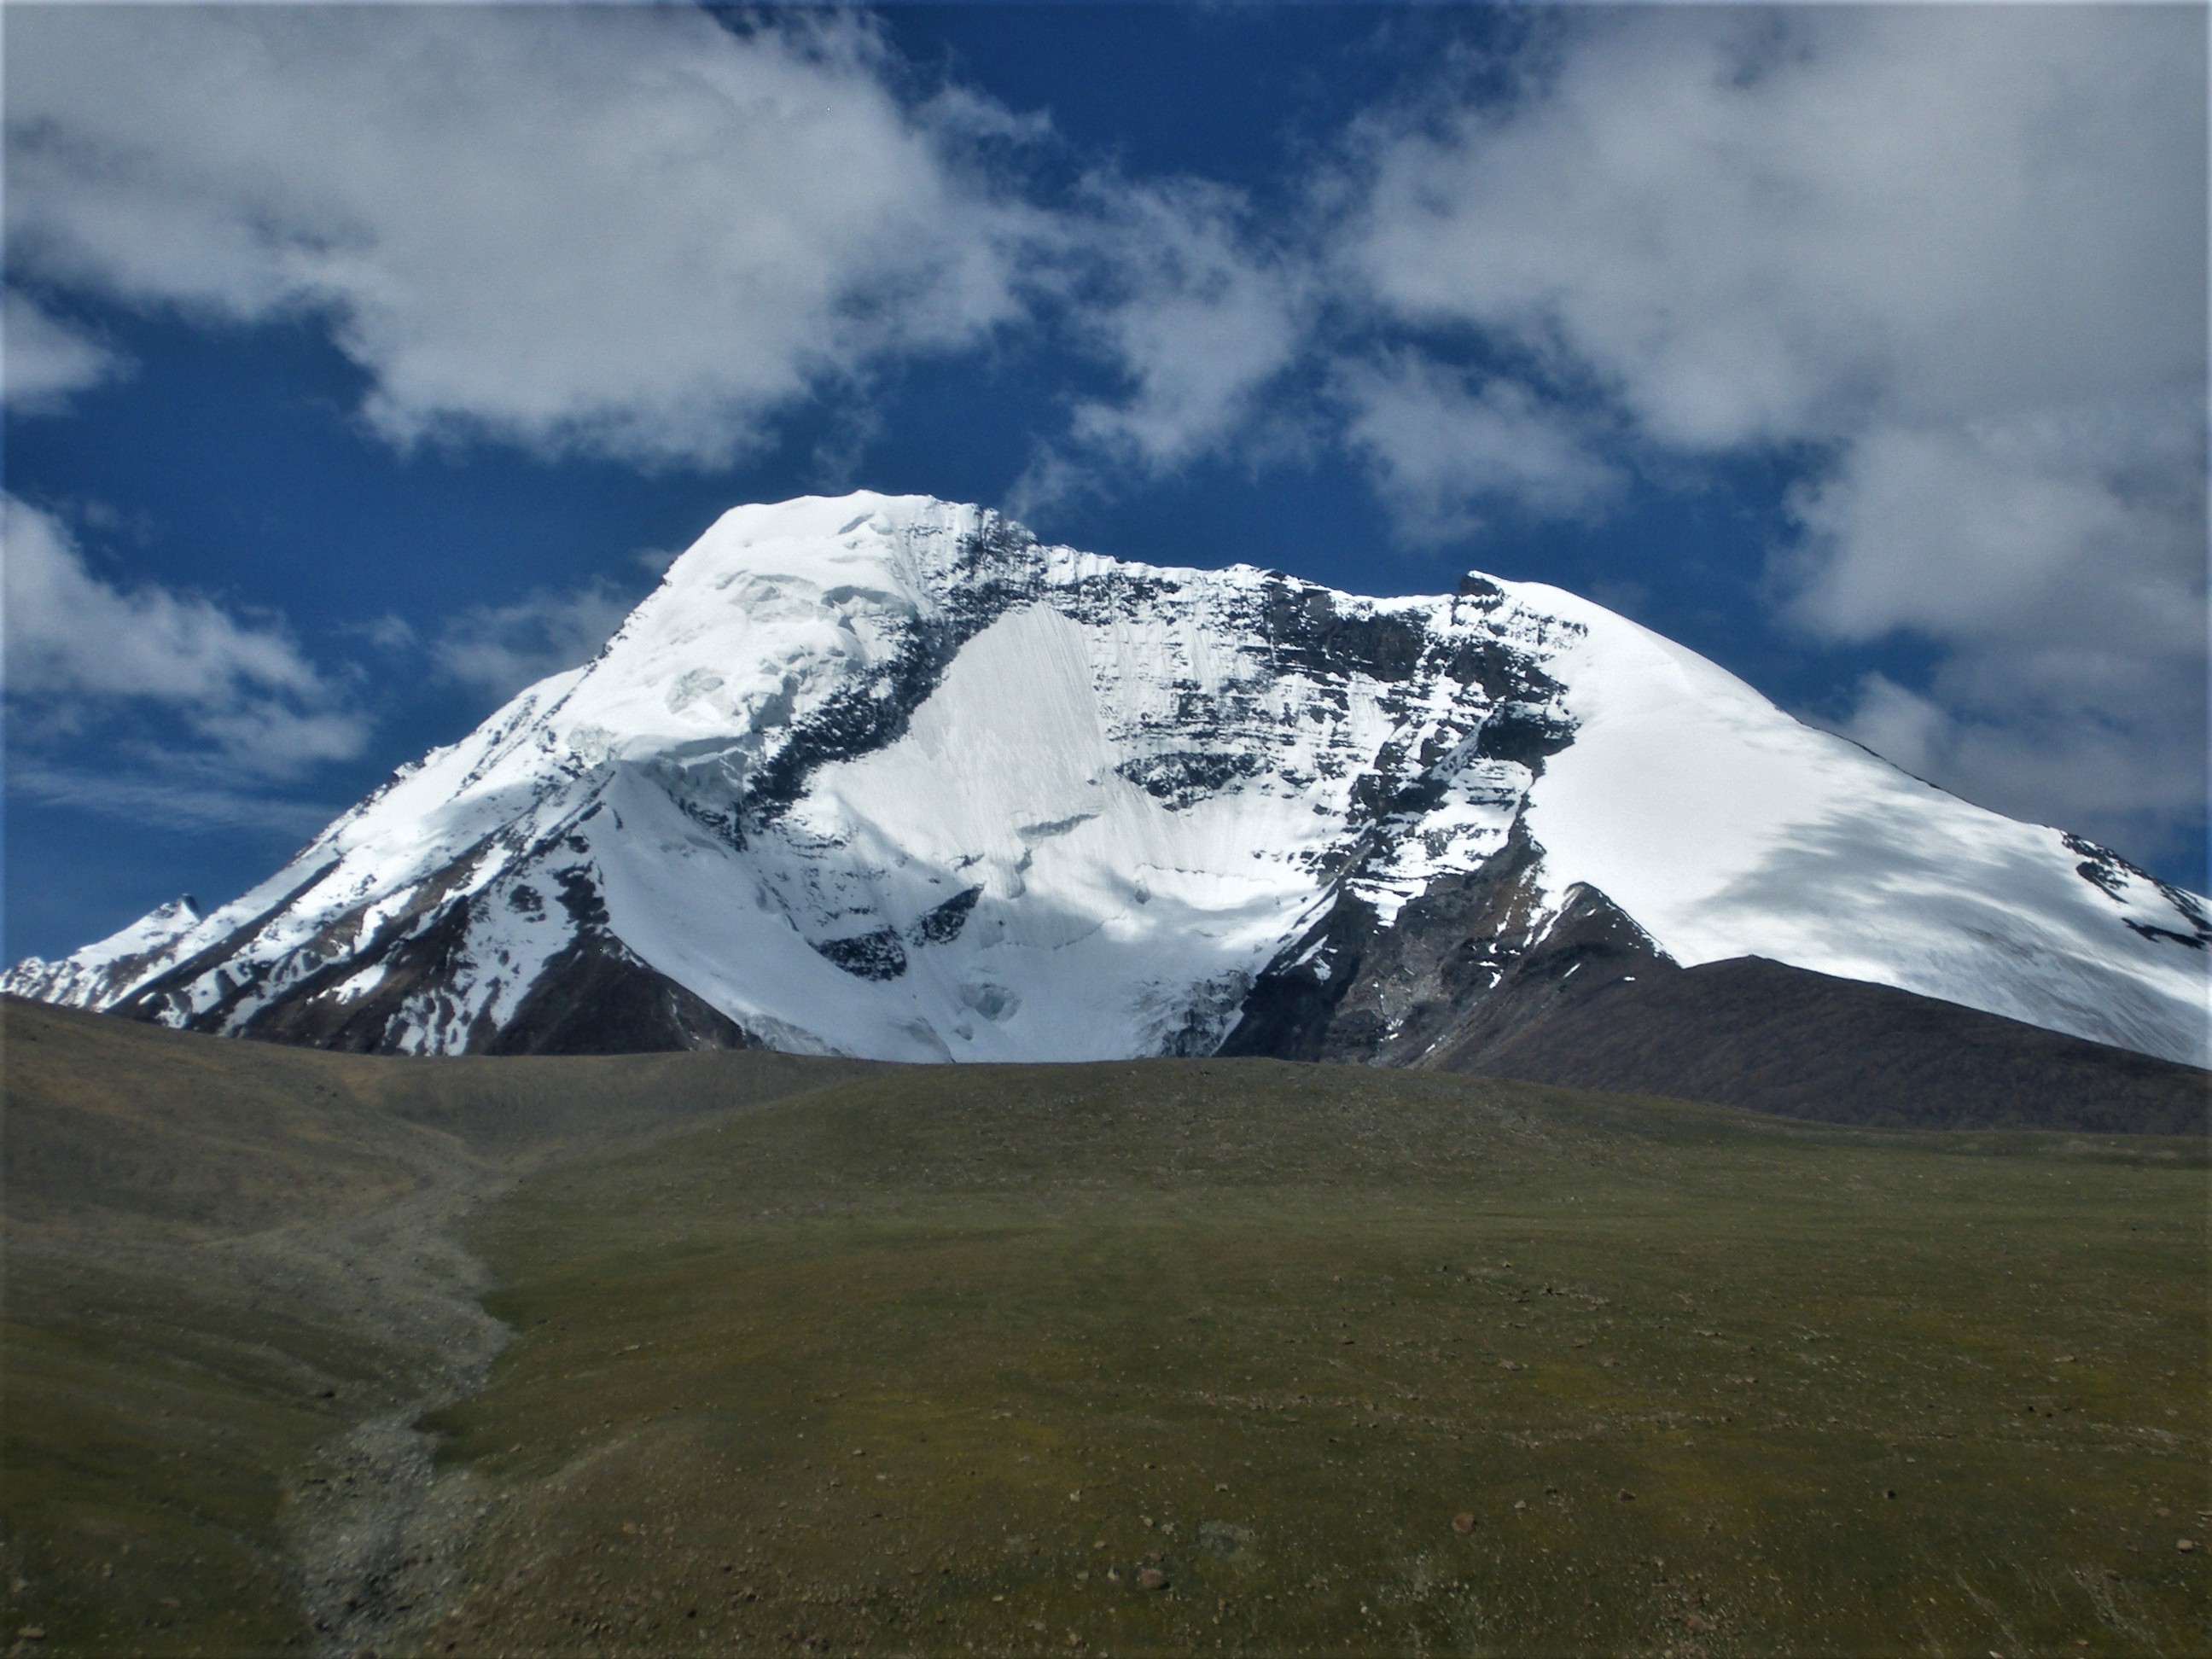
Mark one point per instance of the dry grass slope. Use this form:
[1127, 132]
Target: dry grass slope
[809, 1357]
[945, 1361]
[234, 1279]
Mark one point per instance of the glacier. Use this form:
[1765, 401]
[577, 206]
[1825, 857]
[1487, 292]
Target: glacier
[886, 777]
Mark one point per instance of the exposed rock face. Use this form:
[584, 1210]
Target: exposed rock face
[886, 777]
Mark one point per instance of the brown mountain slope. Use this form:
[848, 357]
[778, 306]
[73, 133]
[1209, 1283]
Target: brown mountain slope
[1756, 1034]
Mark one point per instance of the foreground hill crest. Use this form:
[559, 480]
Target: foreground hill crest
[886, 777]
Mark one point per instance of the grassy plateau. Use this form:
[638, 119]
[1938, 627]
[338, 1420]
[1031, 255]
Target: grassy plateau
[1172, 1356]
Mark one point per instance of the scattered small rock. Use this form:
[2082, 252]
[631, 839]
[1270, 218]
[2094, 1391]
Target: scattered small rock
[1889, 1491]
[2184, 1545]
[32, 1634]
[1226, 1539]
[1152, 1578]
[1626, 1496]
[1463, 1522]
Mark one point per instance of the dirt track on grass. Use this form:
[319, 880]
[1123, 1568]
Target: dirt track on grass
[301, 1218]
[381, 1533]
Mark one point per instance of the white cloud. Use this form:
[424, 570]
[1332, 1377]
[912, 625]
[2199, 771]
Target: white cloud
[80, 649]
[46, 359]
[631, 232]
[173, 803]
[628, 232]
[502, 648]
[1441, 445]
[389, 633]
[2073, 756]
[2007, 530]
[1955, 255]
[1753, 227]
[1194, 315]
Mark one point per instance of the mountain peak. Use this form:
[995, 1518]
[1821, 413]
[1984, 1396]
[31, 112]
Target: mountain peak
[882, 774]
[825, 534]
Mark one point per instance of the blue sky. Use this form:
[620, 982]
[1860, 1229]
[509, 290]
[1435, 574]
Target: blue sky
[363, 363]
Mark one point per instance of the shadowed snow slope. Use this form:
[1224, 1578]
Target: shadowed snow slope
[885, 777]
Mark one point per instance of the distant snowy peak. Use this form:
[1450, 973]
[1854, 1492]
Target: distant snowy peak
[97, 975]
[886, 777]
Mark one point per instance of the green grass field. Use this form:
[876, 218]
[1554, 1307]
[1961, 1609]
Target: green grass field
[946, 1360]
[1165, 1357]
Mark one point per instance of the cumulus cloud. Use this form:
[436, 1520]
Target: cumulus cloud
[1441, 443]
[2060, 562]
[500, 649]
[2006, 528]
[45, 360]
[636, 232]
[1195, 315]
[1760, 227]
[2080, 758]
[1953, 258]
[632, 232]
[80, 648]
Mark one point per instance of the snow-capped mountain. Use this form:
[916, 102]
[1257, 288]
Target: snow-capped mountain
[885, 776]
[96, 975]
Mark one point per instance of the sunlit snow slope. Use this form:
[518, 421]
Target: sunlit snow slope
[883, 775]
